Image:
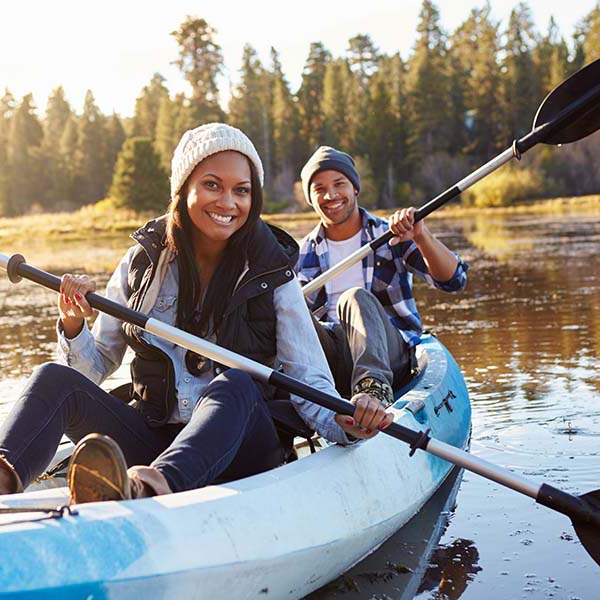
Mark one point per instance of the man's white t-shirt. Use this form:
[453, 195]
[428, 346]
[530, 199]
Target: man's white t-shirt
[351, 277]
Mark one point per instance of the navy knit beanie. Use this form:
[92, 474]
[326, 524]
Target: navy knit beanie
[327, 158]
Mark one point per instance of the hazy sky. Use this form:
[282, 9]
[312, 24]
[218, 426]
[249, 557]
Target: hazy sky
[114, 47]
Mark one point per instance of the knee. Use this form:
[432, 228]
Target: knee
[353, 297]
[235, 387]
[234, 377]
[52, 372]
[49, 381]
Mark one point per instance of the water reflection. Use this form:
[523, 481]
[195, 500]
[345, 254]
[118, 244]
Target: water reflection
[451, 569]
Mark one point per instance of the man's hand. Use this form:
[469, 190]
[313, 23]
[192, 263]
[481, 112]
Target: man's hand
[403, 226]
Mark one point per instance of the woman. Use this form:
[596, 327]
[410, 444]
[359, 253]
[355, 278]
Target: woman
[212, 267]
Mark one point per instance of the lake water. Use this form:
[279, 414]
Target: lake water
[526, 333]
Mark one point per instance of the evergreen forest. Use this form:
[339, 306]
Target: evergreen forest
[414, 124]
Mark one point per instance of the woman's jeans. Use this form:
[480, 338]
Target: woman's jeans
[230, 435]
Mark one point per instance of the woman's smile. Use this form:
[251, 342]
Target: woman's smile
[221, 219]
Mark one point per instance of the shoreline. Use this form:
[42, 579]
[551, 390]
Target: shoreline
[102, 221]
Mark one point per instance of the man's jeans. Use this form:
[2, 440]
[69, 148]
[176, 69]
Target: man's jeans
[364, 343]
[230, 435]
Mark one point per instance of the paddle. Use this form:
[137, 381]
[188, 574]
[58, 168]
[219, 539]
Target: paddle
[569, 113]
[584, 511]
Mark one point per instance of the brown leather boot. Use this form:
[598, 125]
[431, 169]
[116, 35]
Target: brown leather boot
[10, 482]
[97, 471]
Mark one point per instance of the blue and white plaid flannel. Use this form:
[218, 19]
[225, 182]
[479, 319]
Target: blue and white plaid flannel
[387, 273]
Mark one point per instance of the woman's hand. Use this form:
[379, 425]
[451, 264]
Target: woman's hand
[369, 418]
[403, 226]
[72, 305]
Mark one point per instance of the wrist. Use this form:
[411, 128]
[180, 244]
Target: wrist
[71, 326]
[423, 237]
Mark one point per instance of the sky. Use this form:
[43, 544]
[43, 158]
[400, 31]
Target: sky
[114, 47]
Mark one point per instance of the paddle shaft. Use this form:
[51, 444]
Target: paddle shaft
[551, 497]
[573, 111]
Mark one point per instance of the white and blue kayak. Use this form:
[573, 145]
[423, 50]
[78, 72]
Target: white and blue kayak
[278, 534]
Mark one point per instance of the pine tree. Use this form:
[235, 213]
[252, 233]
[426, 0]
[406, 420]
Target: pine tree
[379, 141]
[92, 176]
[184, 116]
[174, 119]
[201, 62]
[58, 112]
[249, 107]
[140, 182]
[587, 37]
[363, 58]
[147, 107]
[428, 87]
[551, 58]
[395, 190]
[287, 160]
[24, 139]
[54, 174]
[164, 137]
[475, 48]
[387, 135]
[68, 140]
[457, 110]
[7, 108]
[115, 136]
[310, 95]
[522, 83]
[334, 104]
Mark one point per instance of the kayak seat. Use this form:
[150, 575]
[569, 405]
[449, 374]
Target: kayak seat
[289, 425]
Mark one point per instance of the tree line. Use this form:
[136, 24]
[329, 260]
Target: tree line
[414, 125]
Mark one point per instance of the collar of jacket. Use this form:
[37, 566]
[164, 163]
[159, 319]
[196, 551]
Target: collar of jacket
[271, 257]
[268, 244]
[152, 237]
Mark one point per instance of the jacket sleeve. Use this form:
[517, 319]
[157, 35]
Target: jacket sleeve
[412, 259]
[300, 354]
[98, 353]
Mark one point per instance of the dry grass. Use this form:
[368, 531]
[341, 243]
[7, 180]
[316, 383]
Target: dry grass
[97, 220]
[102, 221]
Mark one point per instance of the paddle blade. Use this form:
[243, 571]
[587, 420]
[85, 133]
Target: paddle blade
[584, 122]
[589, 531]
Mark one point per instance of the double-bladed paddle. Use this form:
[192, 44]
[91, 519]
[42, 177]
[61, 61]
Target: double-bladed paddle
[570, 112]
[584, 511]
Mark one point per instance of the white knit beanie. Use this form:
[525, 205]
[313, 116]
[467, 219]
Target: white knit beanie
[197, 144]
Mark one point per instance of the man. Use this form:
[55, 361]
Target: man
[369, 323]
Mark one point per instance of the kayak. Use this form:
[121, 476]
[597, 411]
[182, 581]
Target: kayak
[283, 533]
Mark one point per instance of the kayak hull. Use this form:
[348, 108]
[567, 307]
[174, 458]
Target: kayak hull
[283, 533]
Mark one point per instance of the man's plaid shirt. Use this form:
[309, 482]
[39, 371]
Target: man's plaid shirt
[387, 272]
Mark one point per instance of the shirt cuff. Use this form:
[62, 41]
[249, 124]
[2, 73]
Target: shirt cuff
[458, 279]
[69, 345]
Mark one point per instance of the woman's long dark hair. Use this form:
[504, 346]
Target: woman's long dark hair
[194, 314]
